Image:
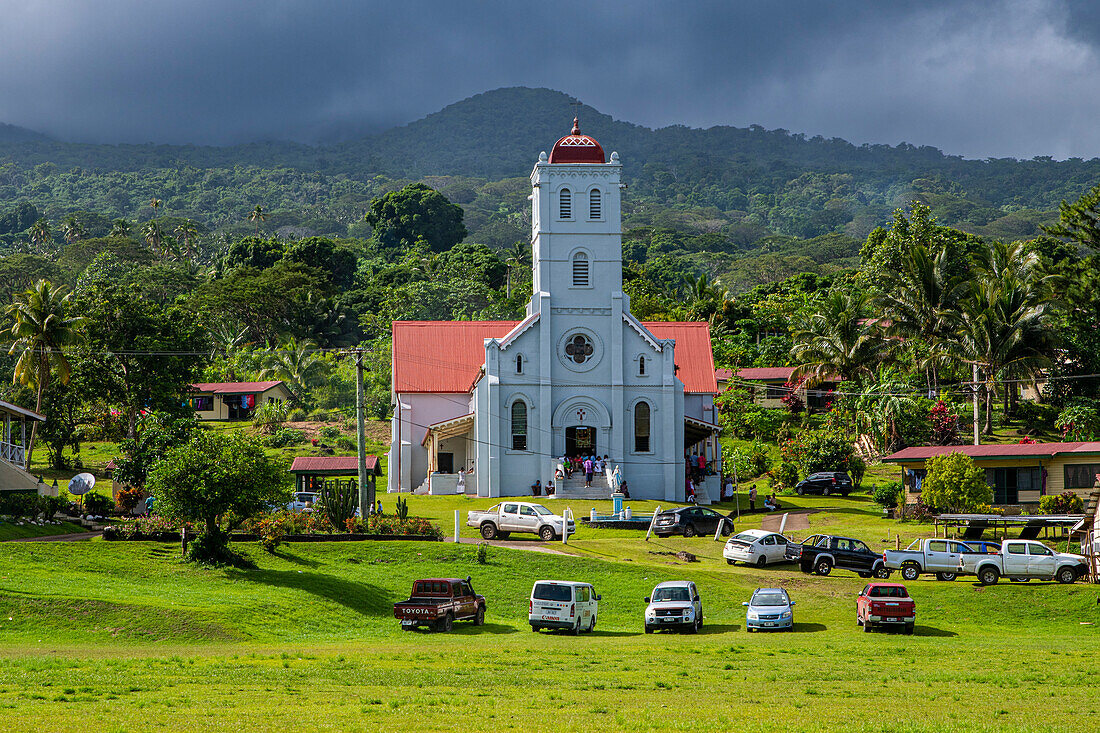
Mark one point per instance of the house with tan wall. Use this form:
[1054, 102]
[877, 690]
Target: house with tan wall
[1019, 475]
[234, 400]
[769, 386]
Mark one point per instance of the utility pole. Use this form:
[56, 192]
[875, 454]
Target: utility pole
[366, 491]
[977, 438]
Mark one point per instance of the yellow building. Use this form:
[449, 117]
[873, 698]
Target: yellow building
[1018, 474]
[234, 400]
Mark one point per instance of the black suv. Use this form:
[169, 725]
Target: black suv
[690, 521]
[825, 483]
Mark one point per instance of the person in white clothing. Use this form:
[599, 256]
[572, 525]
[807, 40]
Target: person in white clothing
[461, 481]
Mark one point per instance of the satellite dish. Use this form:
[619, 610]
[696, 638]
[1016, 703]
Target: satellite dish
[81, 484]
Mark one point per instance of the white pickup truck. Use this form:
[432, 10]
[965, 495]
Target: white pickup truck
[927, 556]
[498, 521]
[1023, 560]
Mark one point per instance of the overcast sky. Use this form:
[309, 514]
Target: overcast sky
[989, 78]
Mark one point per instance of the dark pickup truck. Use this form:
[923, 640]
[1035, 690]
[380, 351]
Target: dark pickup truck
[820, 553]
[438, 603]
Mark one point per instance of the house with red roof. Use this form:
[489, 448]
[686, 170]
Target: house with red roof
[234, 400]
[1019, 474]
[770, 385]
[491, 407]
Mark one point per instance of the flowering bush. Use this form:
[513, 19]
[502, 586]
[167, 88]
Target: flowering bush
[1065, 503]
[284, 522]
[1027, 440]
[146, 528]
[127, 499]
[412, 526]
[791, 399]
[945, 424]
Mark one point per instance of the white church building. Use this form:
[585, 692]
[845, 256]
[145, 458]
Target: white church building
[489, 407]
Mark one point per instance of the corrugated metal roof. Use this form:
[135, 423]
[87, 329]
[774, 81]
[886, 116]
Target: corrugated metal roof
[234, 387]
[9, 407]
[979, 452]
[783, 373]
[446, 356]
[331, 464]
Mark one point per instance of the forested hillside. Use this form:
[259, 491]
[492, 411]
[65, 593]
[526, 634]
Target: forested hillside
[746, 205]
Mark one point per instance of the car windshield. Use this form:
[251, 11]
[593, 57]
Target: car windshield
[671, 594]
[552, 592]
[889, 591]
[769, 599]
[540, 509]
[746, 537]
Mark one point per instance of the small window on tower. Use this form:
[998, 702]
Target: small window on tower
[519, 363]
[641, 366]
[580, 270]
[565, 204]
[595, 210]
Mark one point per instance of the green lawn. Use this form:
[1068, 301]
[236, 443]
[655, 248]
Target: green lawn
[126, 637]
[14, 530]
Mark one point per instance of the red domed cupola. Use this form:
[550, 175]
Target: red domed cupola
[576, 148]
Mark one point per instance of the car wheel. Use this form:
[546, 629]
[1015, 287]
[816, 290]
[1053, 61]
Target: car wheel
[727, 530]
[988, 576]
[823, 567]
[479, 619]
[761, 561]
[689, 530]
[694, 628]
[1067, 575]
[447, 623]
[576, 630]
[909, 629]
[882, 572]
[946, 576]
[825, 491]
[799, 490]
[730, 562]
[910, 571]
[535, 628]
[866, 626]
[648, 629]
[489, 531]
[547, 533]
[592, 624]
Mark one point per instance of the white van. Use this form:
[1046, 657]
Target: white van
[563, 604]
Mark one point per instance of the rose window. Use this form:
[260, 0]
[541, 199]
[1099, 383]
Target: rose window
[578, 348]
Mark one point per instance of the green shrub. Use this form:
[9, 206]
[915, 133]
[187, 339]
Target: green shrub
[346, 443]
[955, 483]
[285, 437]
[1079, 419]
[1035, 415]
[888, 495]
[330, 432]
[269, 417]
[819, 450]
[857, 467]
[98, 504]
[296, 415]
[751, 460]
[320, 416]
[1065, 503]
[784, 476]
[482, 554]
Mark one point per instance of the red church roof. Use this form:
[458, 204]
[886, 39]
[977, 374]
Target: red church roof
[576, 148]
[446, 356]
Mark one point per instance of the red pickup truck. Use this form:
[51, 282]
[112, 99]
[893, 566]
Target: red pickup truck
[885, 604]
[438, 603]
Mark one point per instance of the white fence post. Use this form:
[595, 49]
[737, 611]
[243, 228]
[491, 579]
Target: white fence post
[456, 526]
[566, 516]
[718, 529]
[651, 521]
[783, 523]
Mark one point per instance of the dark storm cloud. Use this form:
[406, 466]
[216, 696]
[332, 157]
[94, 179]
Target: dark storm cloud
[989, 78]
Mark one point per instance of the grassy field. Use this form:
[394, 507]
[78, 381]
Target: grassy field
[126, 637]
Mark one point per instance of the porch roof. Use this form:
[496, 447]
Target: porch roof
[22, 411]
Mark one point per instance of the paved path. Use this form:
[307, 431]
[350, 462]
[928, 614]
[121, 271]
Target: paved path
[795, 520]
[77, 537]
[533, 546]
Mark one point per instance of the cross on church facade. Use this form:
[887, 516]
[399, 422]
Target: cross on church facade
[580, 414]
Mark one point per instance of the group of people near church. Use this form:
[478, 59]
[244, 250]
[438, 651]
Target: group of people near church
[590, 465]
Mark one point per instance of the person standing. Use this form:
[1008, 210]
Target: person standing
[461, 488]
[752, 498]
[589, 467]
[727, 489]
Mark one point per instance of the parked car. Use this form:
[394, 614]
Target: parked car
[502, 519]
[690, 521]
[927, 556]
[885, 604]
[756, 547]
[438, 603]
[820, 553]
[769, 608]
[825, 483]
[302, 501]
[675, 604]
[987, 546]
[1023, 560]
[563, 604]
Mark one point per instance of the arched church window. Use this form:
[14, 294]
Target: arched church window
[641, 427]
[519, 363]
[579, 348]
[519, 425]
[565, 204]
[641, 366]
[580, 270]
[595, 209]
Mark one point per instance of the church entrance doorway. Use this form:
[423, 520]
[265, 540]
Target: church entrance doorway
[580, 440]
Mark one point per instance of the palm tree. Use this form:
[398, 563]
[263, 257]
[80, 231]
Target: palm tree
[72, 229]
[41, 234]
[42, 328]
[155, 204]
[518, 255]
[879, 407]
[154, 235]
[185, 234]
[837, 339]
[296, 363]
[121, 228]
[228, 338]
[702, 297]
[257, 217]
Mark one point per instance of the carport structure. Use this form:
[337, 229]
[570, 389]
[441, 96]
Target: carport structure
[974, 526]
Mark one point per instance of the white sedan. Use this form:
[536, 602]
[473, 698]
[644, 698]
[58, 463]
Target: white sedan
[756, 547]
